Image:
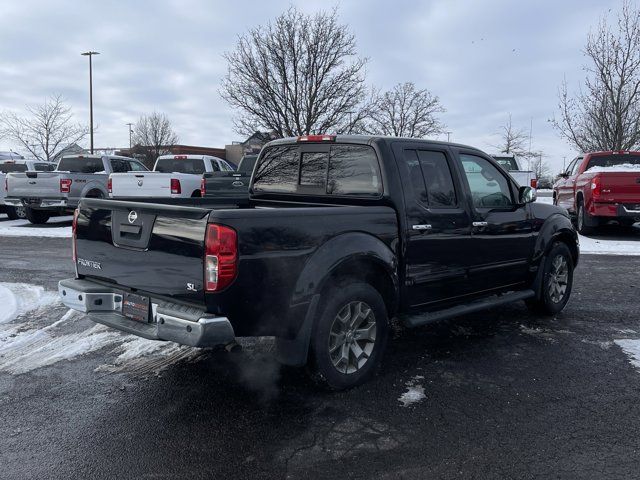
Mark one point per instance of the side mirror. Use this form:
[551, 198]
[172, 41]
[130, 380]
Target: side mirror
[564, 175]
[526, 195]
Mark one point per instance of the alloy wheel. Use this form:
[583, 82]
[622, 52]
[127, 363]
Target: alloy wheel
[558, 278]
[352, 337]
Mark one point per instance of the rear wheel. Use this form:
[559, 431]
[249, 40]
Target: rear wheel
[349, 336]
[584, 220]
[557, 280]
[37, 217]
[16, 213]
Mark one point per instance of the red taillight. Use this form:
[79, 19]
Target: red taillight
[221, 257]
[175, 186]
[110, 185]
[596, 186]
[65, 185]
[317, 138]
[203, 187]
[74, 227]
[534, 183]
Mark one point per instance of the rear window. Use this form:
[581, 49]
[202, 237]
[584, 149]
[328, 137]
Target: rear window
[613, 161]
[180, 165]
[508, 163]
[44, 167]
[81, 165]
[338, 170]
[12, 167]
[247, 164]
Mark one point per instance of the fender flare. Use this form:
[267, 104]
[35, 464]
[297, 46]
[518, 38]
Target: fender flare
[556, 227]
[94, 185]
[335, 253]
[353, 246]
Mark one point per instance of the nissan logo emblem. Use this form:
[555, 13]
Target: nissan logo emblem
[133, 216]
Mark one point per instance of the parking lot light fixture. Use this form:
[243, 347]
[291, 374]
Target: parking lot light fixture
[90, 54]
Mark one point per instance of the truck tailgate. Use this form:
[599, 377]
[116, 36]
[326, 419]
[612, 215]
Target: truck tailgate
[33, 184]
[151, 248]
[141, 184]
[620, 187]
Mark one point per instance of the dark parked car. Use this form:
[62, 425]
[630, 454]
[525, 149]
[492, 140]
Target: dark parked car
[339, 235]
[229, 184]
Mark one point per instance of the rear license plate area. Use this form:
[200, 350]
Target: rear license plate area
[31, 201]
[136, 307]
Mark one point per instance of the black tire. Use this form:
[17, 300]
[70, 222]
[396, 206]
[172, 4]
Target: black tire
[547, 304]
[348, 298]
[582, 220]
[12, 213]
[37, 217]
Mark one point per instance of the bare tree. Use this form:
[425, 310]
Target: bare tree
[605, 112]
[404, 111]
[539, 166]
[154, 131]
[46, 130]
[298, 75]
[513, 141]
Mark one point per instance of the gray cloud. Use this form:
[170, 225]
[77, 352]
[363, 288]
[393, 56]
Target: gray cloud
[484, 59]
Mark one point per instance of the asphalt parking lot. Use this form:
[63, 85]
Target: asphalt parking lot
[499, 394]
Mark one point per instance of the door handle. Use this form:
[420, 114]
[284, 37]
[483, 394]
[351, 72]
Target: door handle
[237, 184]
[421, 227]
[480, 224]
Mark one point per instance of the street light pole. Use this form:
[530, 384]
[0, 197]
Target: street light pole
[90, 54]
[130, 132]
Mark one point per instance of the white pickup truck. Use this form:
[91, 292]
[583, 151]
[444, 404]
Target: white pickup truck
[524, 178]
[17, 163]
[173, 176]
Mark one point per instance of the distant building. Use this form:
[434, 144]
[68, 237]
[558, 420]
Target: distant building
[251, 145]
[72, 149]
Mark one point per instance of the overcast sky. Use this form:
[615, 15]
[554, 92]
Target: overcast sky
[484, 59]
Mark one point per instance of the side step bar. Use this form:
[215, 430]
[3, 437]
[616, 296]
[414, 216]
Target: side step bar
[420, 319]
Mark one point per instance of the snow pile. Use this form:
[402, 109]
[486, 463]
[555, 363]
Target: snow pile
[632, 349]
[19, 298]
[56, 227]
[414, 393]
[624, 167]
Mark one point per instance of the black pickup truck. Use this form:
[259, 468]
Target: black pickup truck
[339, 235]
[229, 184]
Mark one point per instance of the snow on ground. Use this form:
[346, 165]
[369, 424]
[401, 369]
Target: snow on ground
[414, 393]
[22, 228]
[602, 243]
[19, 298]
[26, 344]
[632, 349]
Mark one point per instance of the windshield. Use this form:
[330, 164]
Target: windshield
[180, 165]
[508, 163]
[81, 165]
[631, 162]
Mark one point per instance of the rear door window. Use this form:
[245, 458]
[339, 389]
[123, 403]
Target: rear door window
[119, 166]
[431, 178]
[180, 165]
[81, 165]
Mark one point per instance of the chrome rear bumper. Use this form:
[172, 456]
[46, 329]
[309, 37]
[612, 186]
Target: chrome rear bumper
[184, 325]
